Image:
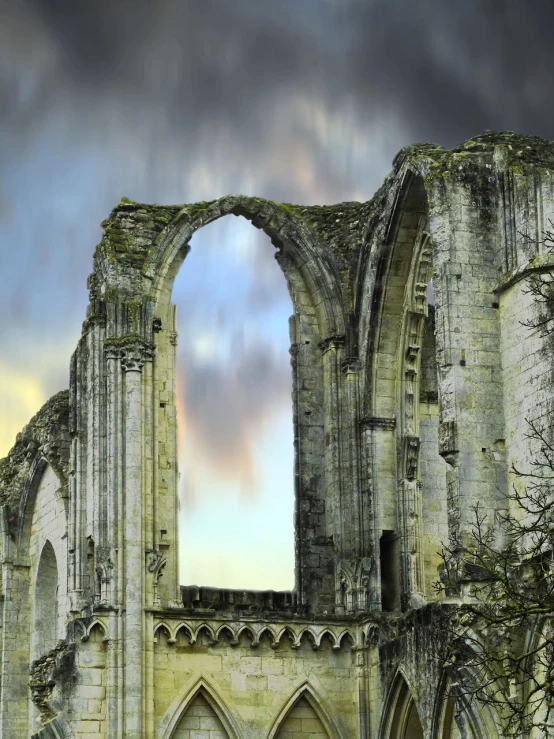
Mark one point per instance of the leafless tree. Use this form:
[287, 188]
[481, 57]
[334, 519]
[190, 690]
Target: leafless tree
[501, 571]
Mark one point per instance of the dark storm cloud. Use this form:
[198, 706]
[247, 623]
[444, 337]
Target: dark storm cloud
[175, 101]
[453, 69]
[446, 68]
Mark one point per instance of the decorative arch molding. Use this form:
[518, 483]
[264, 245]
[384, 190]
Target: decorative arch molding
[478, 724]
[44, 440]
[394, 299]
[533, 638]
[277, 633]
[317, 700]
[27, 501]
[286, 233]
[399, 704]
[37, 470]
[178, 708]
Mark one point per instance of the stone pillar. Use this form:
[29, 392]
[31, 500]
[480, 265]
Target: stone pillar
[331, 348]
[15, 642]
[133, 357]
[368, 524]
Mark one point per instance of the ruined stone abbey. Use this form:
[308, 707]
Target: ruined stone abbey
[405, 414]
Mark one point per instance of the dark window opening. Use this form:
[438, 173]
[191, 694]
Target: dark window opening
[390, 576]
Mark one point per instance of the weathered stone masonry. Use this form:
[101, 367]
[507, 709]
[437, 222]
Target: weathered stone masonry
[405, 415]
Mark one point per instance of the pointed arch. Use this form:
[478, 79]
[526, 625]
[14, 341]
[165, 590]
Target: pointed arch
[331, 637]
[400, 718]
[184, 631]
[178, 709]
[305, 692]
[453, 707]
[226, 631]
[45, 607]
[247, 632]
[207, 629]
[286, 234]
[315, 289]
[160, 629]
[99, 627]
[27, 501]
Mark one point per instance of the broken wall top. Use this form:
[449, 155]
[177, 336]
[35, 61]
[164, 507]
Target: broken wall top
[340, 234]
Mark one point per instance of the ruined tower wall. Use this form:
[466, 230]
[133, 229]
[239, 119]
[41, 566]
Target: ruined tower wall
[527, 348]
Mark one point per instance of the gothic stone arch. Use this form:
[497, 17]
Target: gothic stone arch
[404, 417]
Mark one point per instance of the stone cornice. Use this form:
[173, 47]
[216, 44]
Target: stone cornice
[376, 422]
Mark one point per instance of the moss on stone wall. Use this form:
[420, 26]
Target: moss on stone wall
[47, 432]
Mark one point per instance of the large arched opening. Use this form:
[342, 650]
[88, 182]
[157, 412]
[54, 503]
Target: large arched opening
[401, 719]
[317, 316]
[234, 411]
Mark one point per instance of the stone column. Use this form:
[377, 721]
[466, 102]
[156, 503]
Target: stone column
[409, 488]
[15, 642]
[331, 348]
[133, 357]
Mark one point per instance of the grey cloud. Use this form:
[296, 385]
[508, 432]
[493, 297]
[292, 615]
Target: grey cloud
[176, 100]
[226, 406]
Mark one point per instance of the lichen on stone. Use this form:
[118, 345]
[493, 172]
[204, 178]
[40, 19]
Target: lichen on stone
[54, 669]
[47, 433]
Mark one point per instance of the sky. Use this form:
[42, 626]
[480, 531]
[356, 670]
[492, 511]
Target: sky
[178, 101]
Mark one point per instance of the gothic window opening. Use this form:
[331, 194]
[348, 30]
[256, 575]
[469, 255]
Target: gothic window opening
[234, 411]
[403, 720]
[389, 550]
[45, 622]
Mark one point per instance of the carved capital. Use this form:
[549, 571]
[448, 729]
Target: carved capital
[352, 365]
[132, 351]
[112, 350]
[334, 341]
[135, 354]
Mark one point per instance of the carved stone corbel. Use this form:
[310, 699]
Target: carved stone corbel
[155, 563]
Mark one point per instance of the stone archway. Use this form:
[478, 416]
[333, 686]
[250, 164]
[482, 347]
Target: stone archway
[45, 608]
[401, 718]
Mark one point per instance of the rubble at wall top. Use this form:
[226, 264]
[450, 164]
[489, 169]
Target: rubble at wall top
[47, 432]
